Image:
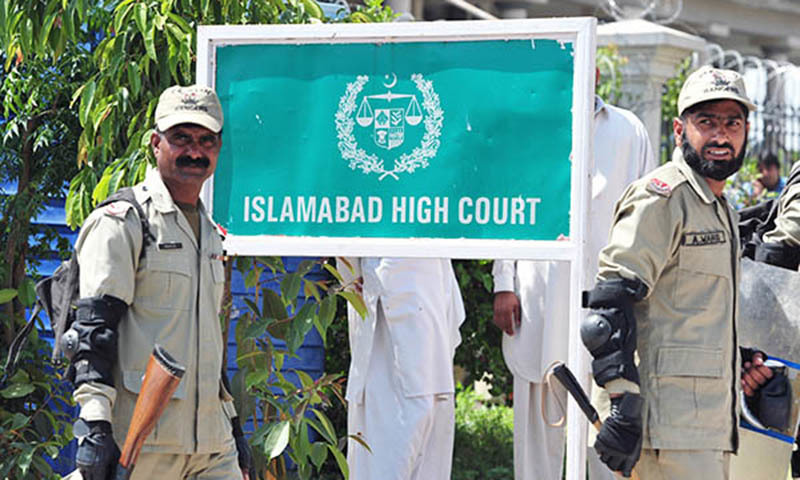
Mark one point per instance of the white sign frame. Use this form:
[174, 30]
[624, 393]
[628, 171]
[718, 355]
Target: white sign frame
[580, 31]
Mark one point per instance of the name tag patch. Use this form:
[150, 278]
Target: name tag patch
[699, 239]
[170, 246]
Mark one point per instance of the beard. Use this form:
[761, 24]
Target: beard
[716, 169]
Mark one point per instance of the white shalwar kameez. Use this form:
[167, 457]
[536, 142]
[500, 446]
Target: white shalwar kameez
[400, 389]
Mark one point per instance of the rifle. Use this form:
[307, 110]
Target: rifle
[569, 382]
[161, 378]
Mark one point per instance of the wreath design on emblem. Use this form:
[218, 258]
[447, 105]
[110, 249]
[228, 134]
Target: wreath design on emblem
[368, 163]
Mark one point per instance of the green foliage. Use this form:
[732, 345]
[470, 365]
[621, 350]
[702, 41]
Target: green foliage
[373, 11]
[149, 45]
[484, 439]
[669, 107]
[44, 59]
[29, 428]
[609, 62]
[289, 415]
[480, 352]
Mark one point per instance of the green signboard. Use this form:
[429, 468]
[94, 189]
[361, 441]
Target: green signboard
[415, 136]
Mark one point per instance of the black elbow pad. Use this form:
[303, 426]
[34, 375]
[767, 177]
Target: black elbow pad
[91, 341]
[609, 331]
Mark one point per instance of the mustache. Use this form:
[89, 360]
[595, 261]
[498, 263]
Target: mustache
[718, 145]
[187, 161]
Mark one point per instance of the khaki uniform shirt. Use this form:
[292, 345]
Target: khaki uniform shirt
[673, 234]
[174, 296]
[787, 223]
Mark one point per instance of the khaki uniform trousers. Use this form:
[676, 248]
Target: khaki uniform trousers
[684, 465]
[165, 466]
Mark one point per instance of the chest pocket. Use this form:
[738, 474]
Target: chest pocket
[164, 280]
[704, 276]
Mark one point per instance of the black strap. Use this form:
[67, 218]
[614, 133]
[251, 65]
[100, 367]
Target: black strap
[126, 195]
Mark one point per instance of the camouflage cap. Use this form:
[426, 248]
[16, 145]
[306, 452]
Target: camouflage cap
[193, 104]
[709, 83]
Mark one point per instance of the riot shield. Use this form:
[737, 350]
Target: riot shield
[769, 320]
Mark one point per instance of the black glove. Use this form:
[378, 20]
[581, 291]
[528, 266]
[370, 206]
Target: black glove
[97, 454]
[619, 442]
[243, 448]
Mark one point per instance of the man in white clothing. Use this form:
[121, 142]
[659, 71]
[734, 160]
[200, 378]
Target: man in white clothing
[400, 388]
[531, 300]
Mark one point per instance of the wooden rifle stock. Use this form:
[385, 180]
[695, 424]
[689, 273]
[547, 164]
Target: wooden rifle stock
[161, 378]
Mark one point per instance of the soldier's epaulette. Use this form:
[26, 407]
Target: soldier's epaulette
[664, 180]
[117, 209]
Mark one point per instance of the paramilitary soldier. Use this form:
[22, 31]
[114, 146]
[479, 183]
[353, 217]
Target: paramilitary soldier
[171, 297]
[667, 288]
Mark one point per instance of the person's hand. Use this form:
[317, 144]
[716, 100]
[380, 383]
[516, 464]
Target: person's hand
[97, 454]
[506, 311]
[243, 450]
[755, 374]
[619, 442]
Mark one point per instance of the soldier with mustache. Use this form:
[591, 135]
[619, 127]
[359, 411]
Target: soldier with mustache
[165, 289]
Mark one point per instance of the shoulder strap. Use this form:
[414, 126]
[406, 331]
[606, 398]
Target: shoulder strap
[126, 195]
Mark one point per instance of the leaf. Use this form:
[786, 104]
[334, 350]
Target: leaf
[17, 390]
[327, 311]
[121, 17]
[140, 16]
[310, 290]
[7, 294]
[24, 460]
[134, 79]
[26, 37]
[257, 328]
[27, 292]
[47, 27]
[305, 267]
[290, 287]
[341, 461]
[252, 306]
[313, 9]
[301, 325]
[319, 453]
[327, 428]
[251, 280]
[305, 379]
[277, 439]
[150, 43]
[356, 301]
[332, 270]
[87, 99]
[273, 306]
[255, 378]
[360, 439]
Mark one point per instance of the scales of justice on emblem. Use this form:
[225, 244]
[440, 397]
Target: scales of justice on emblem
[388, 115]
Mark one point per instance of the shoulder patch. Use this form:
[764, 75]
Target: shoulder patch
[660, 187]
[117, 209]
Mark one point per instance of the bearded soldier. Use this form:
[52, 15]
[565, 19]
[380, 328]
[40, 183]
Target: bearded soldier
[667, 289]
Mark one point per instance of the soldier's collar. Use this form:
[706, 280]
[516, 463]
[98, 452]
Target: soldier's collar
[158, 192]
[697, 181]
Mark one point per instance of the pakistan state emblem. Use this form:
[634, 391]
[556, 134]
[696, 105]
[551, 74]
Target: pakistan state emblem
[389, 118]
